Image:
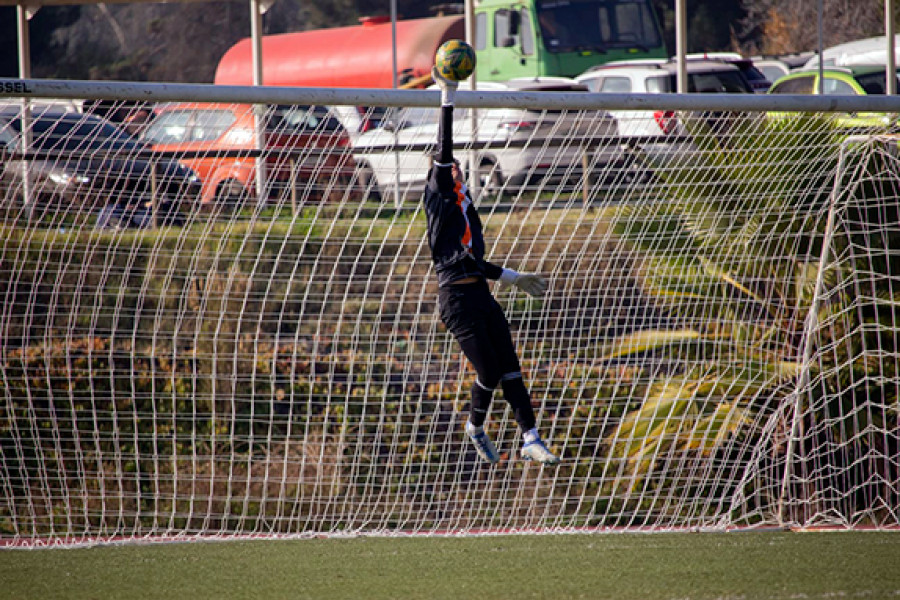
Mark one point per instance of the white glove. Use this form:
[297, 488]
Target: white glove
[448, 88]
[531, 284]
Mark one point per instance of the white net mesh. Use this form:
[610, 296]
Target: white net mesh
[204, 339]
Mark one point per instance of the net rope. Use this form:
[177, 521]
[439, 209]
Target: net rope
[188, 353]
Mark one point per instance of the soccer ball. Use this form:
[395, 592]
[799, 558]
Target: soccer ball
[455, 60]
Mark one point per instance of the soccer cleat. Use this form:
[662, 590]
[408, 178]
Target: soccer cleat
[538, 452]
[483, 445]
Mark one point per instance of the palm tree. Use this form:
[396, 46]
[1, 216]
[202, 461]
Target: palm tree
[729, 237]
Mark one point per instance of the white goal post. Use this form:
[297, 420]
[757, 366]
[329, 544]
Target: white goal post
[201, 338]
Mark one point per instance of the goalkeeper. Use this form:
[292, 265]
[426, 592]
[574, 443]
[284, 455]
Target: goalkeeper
[466, 305]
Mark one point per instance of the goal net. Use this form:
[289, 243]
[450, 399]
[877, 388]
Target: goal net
[218, 315]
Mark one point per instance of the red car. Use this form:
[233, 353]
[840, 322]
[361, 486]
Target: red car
[306, 149]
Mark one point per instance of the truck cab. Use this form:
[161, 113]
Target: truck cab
[532, 38]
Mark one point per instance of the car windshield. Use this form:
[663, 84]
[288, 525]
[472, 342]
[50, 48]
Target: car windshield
[578, 25]
[874, 83]
[751, 72]
[189, 125]
[721, 82]
[773, 72]
[413, 116]
[78, 132]
[373, 116]
[287, 119]
[210, 124]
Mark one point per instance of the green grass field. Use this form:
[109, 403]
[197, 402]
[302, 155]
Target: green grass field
[777, 565]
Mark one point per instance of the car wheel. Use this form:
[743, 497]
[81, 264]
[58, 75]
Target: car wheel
[367, 183]
[491, 181]
[44, 209]
[630, 170]
[230, 196]
[633, 173]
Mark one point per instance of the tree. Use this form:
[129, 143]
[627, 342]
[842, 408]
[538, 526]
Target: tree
[156, 42]
[785, 26]
[710, 26]
[42, 29]
[159, 42]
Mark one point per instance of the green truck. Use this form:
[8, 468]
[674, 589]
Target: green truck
[513, 38]
[533, 38]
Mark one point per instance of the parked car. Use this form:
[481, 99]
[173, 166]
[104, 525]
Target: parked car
[772, 68]
[776, 67]
[868, 51]
[857, 80]
[359, 119]
[307, 150]
[83, 164]
[657, 77]
[514, 147]
[756, 78]
[660, 136]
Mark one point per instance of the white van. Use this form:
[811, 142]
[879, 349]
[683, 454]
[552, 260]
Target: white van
[869, 51]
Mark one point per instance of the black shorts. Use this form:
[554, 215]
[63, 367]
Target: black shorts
[477, 322]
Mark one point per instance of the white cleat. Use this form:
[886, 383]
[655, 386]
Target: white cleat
[538, 452]
[483, 444]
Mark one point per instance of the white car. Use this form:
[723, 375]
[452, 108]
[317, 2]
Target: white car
[514, 148]
[756, 78]
[660, 135]
[659, 77]
[776, 67]
[359, 119]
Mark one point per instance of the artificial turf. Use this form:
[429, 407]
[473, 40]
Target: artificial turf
[746, 565]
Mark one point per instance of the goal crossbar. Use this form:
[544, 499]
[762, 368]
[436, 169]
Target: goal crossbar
[172, 92]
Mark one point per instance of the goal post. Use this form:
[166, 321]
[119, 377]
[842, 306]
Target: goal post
[184, 359]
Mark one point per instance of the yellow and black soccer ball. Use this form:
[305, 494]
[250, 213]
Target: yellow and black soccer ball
[455, 60]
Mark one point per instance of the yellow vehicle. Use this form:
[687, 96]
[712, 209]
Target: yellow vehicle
[857, 80]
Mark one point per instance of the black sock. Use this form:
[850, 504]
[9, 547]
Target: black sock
[517, 395]
[481, 404]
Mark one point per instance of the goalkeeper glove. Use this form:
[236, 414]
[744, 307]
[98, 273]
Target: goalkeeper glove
[531, 284]
[448, 88]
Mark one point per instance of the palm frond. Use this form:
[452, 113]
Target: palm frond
[711, 431]
[644, 341]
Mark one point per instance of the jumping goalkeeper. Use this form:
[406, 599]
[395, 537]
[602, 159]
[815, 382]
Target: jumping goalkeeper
[467, 307]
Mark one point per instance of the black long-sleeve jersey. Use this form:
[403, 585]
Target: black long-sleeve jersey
[454, 227]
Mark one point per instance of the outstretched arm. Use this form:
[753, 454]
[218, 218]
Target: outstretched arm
[443, 160]
[532, 284]
[445, 125]
[445, 136]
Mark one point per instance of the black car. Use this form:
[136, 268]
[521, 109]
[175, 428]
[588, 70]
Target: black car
[79, 164]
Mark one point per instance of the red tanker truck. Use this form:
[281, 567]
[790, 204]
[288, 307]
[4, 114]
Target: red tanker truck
[358, 56]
